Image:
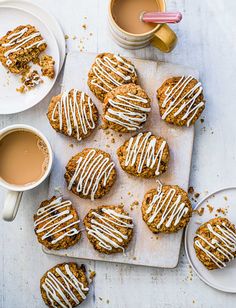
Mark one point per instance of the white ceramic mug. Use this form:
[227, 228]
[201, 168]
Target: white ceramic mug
[15, 192]
[161, 37]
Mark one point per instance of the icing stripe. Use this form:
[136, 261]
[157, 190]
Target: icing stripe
[130, 119]
[108, 234]
[52, 221]
[142, 152]
[53, 286]
[75, 113]
[89, 173]
[173, 97]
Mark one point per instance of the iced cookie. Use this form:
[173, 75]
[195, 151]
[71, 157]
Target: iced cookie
[73, 113]
[21, 46]
[166, 209]
[126, 108]
[108, 72]
[109, 229]
[90, 173]
[64, 285]
[215, 243]
[181, 100]
[56, 224]
[144, 155]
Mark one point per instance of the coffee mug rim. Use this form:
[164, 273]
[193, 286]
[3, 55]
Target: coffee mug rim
[30, 128]
[133, 34]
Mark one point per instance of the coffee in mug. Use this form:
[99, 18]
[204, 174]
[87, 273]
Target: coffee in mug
[126, 14]
[23, 158]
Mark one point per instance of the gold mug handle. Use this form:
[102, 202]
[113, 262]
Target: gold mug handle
[164, 39]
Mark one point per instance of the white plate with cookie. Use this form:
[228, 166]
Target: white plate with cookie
[217, 204]
[13, 101]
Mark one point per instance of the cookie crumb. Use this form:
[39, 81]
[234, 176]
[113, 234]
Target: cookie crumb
[190, 190]
[92, 275]
[113, 140]
[71, 145]
[84, 26]
[200, 212]
[210, 208]
[196, 195]
[66, 37]
[225, 197]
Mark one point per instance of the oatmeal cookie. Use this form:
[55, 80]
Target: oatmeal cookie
[73, 113]
[21, 46]
[181, 100]
[215, 243]
[126, 108]
[108, 72]
[166, 209]
[144, 155]
[109, 228]
[64, 285]
[90, 173]
[47, 66]
[56, 224]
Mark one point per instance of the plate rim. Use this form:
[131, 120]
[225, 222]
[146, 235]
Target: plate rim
[58, 56]
[207, 282]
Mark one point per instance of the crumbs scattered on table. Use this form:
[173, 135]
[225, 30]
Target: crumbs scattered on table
[84, 26]
[223, 211]
[190, 190]
[200, 211]
[134, 204]
[71, 145]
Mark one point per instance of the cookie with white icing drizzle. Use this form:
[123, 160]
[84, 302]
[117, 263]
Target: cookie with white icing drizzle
[144, 155]
[73, 114]
[181, 100]
[110, 71]
[21, 46]
[109, 228]
[215, 243]
[126, 108]
[64, 285]
[56, 224]
[166, 209]
[90, 174]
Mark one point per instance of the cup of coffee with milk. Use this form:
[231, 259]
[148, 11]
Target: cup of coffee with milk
[135, 24]
[25, 162]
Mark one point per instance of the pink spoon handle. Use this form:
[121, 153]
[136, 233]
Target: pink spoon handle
[161, 17]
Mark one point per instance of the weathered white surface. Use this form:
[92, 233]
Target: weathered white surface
[206, 41]
[145, 248]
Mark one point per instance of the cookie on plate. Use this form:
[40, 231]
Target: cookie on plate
[181, 100]
[166, 209]
[56, 224]
[64, 285]
[126, 108]
[73, 113]
[21, 46]
[109, 228]
[108, 72]
[90, 173]
[215, 243]
[144, 155]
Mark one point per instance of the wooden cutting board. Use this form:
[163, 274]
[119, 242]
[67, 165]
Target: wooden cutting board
[146, 248]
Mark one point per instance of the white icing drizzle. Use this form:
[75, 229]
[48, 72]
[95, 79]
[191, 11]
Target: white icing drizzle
[99, 70]
[48, 216]
[17, 42]
[130, 119]
[64, 289]
[74, 110]
[225, 244]
[173, 95]
[89, 173]
[105, 233]
[142, 151]
[160, 202]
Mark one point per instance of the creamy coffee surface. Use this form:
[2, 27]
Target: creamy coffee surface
[126, 14]
[23, 158]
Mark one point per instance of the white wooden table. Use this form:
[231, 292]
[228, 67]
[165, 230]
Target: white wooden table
[207, 42]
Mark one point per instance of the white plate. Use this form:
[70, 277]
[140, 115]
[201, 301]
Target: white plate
[45, 17]
[221, 279]
[11, 100]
